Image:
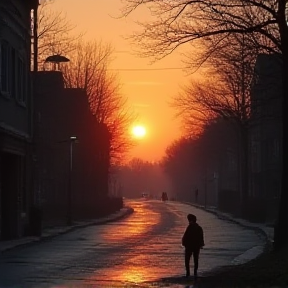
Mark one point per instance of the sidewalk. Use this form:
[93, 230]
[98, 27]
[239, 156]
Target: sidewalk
[253, 268]
[267, 231]
[262, 227]
[264, 230]
[51, 232]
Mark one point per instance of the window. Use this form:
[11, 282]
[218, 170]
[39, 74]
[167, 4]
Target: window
[5, 79]
[21, 81]
[13, 73]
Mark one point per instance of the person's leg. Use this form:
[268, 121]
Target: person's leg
[196, 253]
[188, 255]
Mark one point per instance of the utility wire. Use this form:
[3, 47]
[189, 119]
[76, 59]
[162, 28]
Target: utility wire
[146, 69]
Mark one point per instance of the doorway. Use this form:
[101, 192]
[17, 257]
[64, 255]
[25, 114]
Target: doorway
[9, 190]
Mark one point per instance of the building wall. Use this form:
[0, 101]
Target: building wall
[59, 114]
[265, 134]
[15, 118]
[15, 100]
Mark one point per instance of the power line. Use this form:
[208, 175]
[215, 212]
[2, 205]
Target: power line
[146, 69]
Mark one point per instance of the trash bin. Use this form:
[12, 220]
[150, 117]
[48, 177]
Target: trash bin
[35, 219]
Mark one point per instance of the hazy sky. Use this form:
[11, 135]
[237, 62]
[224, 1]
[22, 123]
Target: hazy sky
[148, 90]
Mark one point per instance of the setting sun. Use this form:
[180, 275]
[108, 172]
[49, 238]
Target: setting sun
[139, 131]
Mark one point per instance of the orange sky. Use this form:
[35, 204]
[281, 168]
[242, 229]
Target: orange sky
[148, 91]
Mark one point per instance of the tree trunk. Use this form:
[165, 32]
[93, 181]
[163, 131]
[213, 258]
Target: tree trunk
[35, 39]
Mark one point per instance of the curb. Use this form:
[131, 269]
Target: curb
[129, 211]
[96, 222]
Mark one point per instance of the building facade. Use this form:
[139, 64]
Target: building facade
[15, 117]
[71, 149]
[266, 136]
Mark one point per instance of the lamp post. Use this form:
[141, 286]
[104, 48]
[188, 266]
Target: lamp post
[69, 193]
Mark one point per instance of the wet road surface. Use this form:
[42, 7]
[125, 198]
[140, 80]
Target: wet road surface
[137, 251]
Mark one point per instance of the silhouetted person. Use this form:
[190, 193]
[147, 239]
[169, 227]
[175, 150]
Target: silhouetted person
[193, 241]
[164, 196]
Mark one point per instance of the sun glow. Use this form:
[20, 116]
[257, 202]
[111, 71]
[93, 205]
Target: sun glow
[139, 131]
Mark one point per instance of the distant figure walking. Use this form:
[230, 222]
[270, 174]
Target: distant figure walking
[164, 196]
[196, 196]
[193, 241]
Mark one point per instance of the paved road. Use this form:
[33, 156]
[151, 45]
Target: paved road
[144, 247]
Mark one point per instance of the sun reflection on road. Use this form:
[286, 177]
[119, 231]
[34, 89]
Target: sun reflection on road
[137, 227]
[133, 276]
[138, 267]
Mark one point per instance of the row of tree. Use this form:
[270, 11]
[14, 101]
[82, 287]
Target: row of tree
[203, 168]
[223, 93]
[227, 37]
[138, 176]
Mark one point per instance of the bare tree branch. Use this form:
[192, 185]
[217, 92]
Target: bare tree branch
[179, 22]
[88, 70]
[54, 34]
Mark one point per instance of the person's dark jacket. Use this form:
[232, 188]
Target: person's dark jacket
[193, 237]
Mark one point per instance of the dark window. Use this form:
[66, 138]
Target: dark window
[21, 81]
[13, 73]
[5, 69]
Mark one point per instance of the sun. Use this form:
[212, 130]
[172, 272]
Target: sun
[139, 131]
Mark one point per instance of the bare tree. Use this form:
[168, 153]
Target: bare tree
[53, 34]
[178, 166]
[121, 142]
[224, 88]
[178, 22]
[88, 70]
[224, 93]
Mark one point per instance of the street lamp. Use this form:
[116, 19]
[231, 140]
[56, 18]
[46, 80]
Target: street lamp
[72, 140]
